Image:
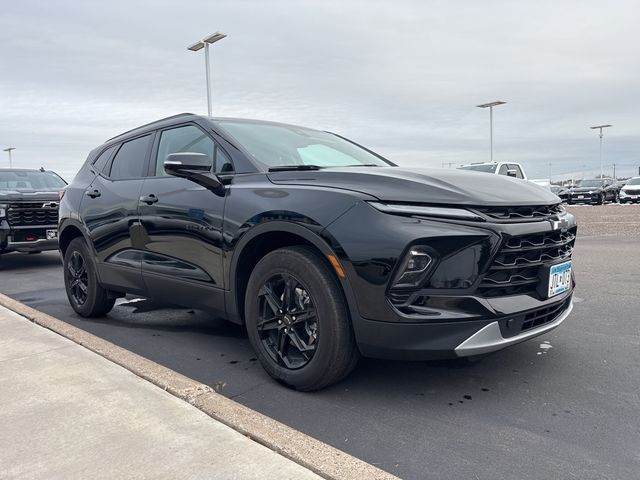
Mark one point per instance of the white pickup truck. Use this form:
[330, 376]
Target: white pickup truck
[510, 169]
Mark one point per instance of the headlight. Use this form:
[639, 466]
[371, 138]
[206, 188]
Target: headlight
[413, 269]
[623, 193]
[3, 210]
[423, 211]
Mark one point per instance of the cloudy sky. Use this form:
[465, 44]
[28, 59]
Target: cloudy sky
[401, 77]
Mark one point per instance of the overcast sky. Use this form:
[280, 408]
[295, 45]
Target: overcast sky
[401, 77]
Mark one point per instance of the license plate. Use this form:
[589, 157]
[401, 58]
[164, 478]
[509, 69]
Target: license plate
[52, 234]
[559, 279]
[580, 196]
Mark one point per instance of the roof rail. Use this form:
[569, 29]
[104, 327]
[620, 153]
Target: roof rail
[186, 114]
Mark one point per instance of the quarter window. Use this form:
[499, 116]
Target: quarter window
[131, 159]
[102, 161]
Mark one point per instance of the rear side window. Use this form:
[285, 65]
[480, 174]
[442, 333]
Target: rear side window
[131, 159]
[102, 161]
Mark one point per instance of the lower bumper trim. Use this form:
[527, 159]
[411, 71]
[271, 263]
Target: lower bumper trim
[489, 338]
[34, 246]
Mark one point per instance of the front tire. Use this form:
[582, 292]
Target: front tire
[86, 296]
[297, 320]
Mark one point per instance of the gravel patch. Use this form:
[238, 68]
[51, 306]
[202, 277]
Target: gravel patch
[610, 219]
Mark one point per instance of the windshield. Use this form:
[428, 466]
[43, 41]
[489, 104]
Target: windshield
[30, 180]
[633, 181]
[590, 183]
[484, 167]
[275, 145]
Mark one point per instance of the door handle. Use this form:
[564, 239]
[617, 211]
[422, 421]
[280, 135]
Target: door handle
[93, 193]
[149, 199]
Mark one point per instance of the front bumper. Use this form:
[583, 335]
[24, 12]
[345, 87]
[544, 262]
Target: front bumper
[429, 341]
[490, 339]
[457, 309]
[586, 197]
[8, 243]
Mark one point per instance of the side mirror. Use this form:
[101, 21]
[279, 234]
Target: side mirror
[195, 167]
[512, 173]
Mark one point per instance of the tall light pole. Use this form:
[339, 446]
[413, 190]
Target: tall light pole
[600, 127]
[9, 151]
[199, 45]
[490, 105]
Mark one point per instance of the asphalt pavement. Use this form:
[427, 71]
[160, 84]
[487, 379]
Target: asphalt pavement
[563, 405]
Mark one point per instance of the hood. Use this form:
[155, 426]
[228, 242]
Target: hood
[28, 195]
[585, 189]
[631, 188]
[435, 186]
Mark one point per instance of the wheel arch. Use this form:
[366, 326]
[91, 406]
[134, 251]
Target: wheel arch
[68, 231]
[263, 239]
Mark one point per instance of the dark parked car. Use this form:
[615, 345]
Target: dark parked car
[596, 191]
[29, 210]
[322, 248]
[561, 192]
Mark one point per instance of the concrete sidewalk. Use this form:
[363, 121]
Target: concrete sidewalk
[66, 412]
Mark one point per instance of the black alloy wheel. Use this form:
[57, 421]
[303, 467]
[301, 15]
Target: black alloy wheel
[298, 321]
[86, 296]
[287, 324]
[77, 278]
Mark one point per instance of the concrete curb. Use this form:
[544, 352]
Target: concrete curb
[317, 456]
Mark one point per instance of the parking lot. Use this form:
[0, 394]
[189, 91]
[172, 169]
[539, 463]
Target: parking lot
[563, 405]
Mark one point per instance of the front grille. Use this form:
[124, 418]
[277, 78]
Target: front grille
[523, 322]
[518, 214]
[516, 267]
[541, 316]
[30, 214]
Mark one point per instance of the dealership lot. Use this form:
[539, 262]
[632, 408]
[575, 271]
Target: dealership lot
[565, 404]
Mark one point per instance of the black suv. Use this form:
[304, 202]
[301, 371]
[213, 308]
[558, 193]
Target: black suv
[597, 191]
[322, 248]
[29, 210]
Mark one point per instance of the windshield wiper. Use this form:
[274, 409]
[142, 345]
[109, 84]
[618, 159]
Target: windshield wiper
[286, 168]
[360, 165]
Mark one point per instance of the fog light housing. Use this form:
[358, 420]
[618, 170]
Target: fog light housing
[414, 268]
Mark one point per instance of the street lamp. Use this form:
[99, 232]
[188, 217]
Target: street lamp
[199, 45]
[600, 127]
[9, 151]
[490, 105]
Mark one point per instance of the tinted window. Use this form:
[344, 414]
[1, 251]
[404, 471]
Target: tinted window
[483, 167]
[131, 159]
[103, 159]
[182, 139]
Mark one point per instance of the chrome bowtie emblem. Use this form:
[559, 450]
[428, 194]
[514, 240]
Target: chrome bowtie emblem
[558, 224]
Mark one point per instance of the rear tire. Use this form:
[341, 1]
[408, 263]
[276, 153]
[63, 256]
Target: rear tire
[86, 296]
[297, 320]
